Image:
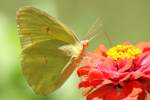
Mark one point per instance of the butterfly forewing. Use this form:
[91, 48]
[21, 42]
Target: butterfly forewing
[36, 25]
[49, 48]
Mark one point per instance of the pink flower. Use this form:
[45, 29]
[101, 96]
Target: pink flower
[120, 73]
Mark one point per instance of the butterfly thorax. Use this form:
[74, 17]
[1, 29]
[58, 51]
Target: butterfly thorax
[84, 46]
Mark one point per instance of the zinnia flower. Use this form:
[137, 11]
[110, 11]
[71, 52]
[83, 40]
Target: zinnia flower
[119, 73]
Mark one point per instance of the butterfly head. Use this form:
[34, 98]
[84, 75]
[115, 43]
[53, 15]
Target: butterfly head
[85, 43]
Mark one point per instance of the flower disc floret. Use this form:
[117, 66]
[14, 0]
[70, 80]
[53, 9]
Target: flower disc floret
[123, 52]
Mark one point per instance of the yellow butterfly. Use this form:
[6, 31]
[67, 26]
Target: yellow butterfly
[50, 51]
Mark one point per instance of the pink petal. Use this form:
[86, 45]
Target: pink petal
[135, 75]
[84, 83]
[146, 49]
[84, 70]
[147, 86]
[130, 98]
[106, 82]
[143, 96]
[95, 77]
[101, 51]
[131, 90]
[124, 65]
[145, 59]
[87, 90]
[92, 60]
[143, 45]
[140, 58]
[89, 57]
[108, 65]
[145, 63]
[124, 77]
[102, 92]
[147, 71]
[112, 94]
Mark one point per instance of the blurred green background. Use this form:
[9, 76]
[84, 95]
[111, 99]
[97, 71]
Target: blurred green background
[121, 19]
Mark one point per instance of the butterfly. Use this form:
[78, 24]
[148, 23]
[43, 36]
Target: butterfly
[50, 50]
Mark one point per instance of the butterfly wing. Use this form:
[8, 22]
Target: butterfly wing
[49, 50]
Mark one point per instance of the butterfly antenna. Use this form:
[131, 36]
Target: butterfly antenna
[96, 26]
[93, 29]
[92, 37]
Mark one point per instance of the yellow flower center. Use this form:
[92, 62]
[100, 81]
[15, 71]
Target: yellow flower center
[123, 52]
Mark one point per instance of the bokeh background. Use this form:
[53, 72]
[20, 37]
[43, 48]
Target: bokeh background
[123, 20]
